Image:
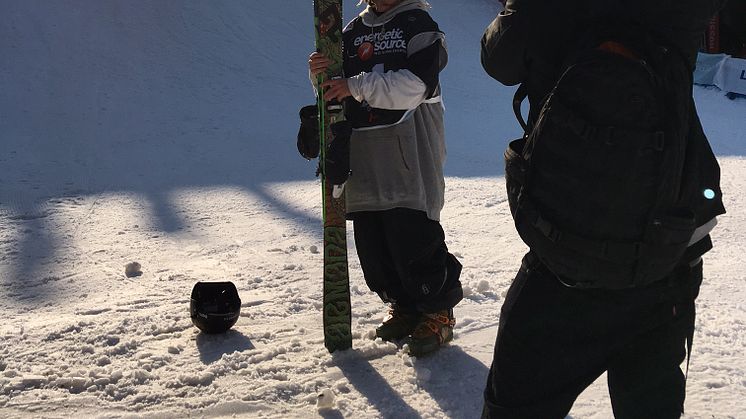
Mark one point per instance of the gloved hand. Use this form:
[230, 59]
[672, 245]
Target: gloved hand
[337, 158]
[308, 134]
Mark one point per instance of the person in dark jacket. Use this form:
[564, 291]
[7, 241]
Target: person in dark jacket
[553, 340]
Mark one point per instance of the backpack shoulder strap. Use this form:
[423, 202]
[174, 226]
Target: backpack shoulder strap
[520, 95]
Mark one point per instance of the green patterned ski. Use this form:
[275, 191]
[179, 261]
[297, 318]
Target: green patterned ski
[337, 313]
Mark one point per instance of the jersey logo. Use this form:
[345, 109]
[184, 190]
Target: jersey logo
[365, 51]
[386, 42]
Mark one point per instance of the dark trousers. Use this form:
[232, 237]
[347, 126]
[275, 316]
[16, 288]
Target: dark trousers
[405, 259]
[554, 341]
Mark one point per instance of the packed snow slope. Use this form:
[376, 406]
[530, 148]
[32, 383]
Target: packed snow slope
[163, 132]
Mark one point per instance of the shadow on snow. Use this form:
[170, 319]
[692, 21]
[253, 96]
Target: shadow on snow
[206, 97]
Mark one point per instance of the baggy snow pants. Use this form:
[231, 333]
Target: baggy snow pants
[405, 260]
[554, 341]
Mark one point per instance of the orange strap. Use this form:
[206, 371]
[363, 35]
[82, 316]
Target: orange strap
[617, 48]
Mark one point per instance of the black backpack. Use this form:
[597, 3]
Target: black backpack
[594, 184]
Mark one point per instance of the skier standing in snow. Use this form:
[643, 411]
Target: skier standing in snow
[556, 337]
[393, 54]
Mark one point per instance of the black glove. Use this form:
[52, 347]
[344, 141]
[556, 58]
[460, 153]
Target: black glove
[337, 158]
[308, 134]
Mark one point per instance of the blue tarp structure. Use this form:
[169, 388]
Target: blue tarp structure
[721, 70]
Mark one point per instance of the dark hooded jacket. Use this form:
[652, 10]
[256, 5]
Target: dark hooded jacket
[529, 39]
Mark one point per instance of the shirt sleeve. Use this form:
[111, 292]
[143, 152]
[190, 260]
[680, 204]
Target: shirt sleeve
[400, 89]
[503, 47]
[427, 56]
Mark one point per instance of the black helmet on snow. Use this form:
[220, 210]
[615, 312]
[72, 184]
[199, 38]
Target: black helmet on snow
[214, 306]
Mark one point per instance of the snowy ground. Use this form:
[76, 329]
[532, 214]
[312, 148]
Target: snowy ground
[163, 133]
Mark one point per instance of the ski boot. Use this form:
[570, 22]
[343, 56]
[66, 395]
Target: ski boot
[433, 331]
[398, 324]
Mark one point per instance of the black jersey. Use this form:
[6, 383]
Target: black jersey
[410, 40]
